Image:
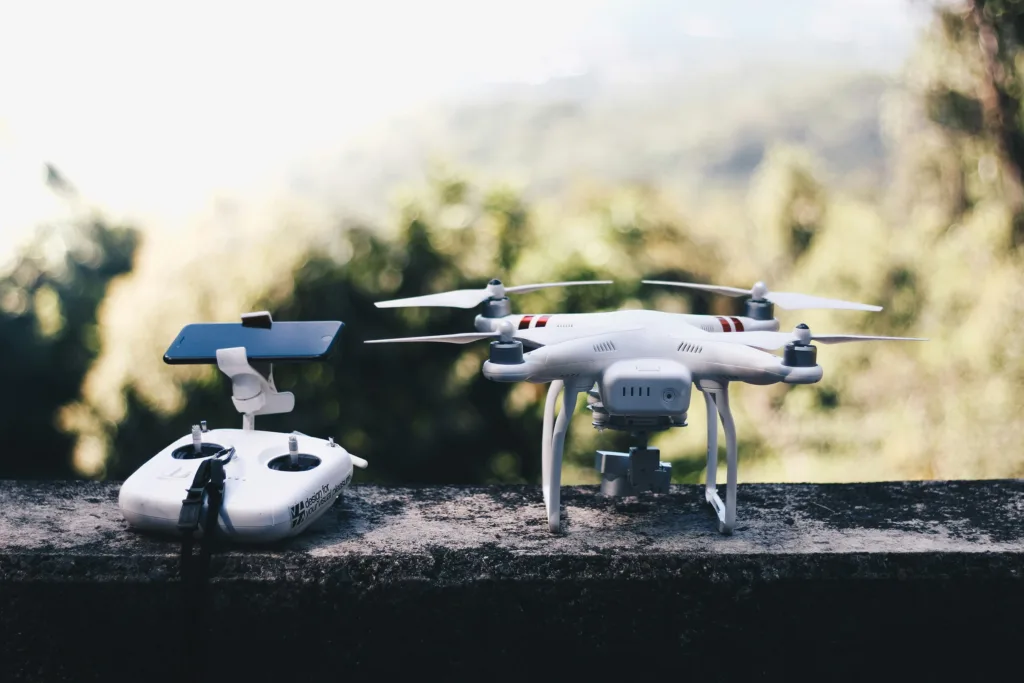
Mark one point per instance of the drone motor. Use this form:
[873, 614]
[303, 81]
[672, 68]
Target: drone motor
[800, 353]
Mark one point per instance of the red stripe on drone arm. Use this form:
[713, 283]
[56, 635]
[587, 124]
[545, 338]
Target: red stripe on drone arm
[738, 323]
[726, 327]
[525, 322]
[542, 321]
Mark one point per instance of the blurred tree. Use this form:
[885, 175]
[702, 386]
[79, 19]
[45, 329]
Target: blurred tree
[996, 27]
[944, 259]
[48, 313]
[788, 203]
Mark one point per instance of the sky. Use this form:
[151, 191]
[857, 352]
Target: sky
[152, 108]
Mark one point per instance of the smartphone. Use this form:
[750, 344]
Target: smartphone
[282, 342]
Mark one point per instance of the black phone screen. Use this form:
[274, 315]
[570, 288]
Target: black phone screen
[283, 342]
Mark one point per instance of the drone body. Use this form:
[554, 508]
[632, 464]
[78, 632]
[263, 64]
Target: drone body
[544, 329]
[638, 368]
[658, 347]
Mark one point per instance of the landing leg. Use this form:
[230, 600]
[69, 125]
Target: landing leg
[727, 512]
[710, 486]
[548, 435]
[554, 468]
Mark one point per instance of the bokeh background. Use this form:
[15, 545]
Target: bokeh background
[190, 163]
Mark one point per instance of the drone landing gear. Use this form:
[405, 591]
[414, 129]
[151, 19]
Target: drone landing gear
[638, 471]
[716, 399]
[552, 448]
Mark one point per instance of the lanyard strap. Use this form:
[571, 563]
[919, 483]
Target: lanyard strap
[207, 486]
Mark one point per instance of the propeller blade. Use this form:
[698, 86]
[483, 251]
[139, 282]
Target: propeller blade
[792, 301]
[843, 338]
[787, 300]
[717, 289]
[520, 289]
[460, 298]
[771, 341]
[460, 338]
[468, 298]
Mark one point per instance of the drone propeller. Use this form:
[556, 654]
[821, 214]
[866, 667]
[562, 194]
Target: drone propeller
[468, 298]
[787, 300]
[771, 341]
[504, 333]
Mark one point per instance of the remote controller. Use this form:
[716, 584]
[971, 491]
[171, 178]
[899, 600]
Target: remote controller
[274, 484]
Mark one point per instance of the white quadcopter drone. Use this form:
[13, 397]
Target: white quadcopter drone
[637, 367]
[249, 485]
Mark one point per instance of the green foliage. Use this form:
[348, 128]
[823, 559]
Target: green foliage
[956, 111]
[48, 313]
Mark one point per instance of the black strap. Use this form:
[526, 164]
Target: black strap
[207, 486]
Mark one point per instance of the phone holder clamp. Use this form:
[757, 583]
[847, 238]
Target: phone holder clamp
[252, 393]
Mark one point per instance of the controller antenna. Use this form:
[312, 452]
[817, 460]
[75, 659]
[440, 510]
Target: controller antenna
[197, 439]
[293, 450]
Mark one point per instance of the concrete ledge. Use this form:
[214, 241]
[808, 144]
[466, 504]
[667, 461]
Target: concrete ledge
[451, 582]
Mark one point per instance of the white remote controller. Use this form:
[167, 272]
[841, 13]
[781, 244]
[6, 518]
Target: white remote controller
[274, 484]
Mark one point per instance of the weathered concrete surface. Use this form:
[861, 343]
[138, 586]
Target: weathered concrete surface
[468, 581]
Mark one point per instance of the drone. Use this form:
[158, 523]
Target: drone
[638, 368]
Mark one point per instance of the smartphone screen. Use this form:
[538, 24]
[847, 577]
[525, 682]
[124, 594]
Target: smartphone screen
[283, 342]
